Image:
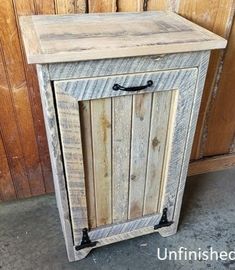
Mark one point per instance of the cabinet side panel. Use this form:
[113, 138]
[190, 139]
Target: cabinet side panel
[55, 155]
[202, 70]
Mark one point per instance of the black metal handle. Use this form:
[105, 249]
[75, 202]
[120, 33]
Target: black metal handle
[117, 87]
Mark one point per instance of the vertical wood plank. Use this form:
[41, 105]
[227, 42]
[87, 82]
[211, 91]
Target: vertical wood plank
[131, 5]
[215, 16]
[17, 81]
[7, 190]
[169, 137]
[11, 136]
[221, 121]
[157, 5]
[101, 130]
[68, 115]
[26, 7]
[44, 6]
[139, 151]
[121, 120]
[102, 6]
[157, 141]
[86, 132]
[70, 6]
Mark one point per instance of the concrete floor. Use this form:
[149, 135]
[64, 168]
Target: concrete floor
[31, 237]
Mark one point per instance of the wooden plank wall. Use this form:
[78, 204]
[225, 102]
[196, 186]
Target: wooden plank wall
[24, 160]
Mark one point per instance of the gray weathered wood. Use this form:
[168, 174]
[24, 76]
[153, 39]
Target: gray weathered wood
[107, 67]
[64, 38]
[56, 158]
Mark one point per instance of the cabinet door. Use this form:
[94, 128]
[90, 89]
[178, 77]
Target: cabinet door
[123, 150]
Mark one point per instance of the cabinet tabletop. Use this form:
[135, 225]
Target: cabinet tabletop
[66, 38]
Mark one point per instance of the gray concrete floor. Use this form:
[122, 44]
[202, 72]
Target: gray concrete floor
[31, 237]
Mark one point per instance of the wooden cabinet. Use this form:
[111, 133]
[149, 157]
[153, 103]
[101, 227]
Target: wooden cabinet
[121, 94]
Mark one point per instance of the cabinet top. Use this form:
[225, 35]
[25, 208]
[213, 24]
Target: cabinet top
[66, 38]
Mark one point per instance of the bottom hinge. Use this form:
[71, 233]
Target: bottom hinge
[86, 242]
[164, 221]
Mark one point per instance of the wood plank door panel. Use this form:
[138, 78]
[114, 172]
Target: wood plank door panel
[123, 151]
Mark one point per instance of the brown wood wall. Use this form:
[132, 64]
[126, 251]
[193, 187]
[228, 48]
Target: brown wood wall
[24, 159]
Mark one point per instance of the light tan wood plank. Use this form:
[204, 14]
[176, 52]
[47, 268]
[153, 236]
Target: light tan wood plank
[157, 141]
[139, 148]
[70, 6]
[121, 131]
[99, 36]
[101, 130]
[86, 132]
[211, 164]
[102, 6]
[131, 5]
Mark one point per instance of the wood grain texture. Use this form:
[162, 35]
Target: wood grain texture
[56, 157]
[121, 138]
[161, 104]
[10, 135]
[28, 8]
[64, 38]
[221, 140]
[7, 190]
[86, 133]
[101, 87]
[101, 128]
[102, 6]
[142, 105]
[131, 5]
[70, 6]
[215, 16]
[212, 164]
[69, 126]
[20, 97]
[65, 71]
[201, 76]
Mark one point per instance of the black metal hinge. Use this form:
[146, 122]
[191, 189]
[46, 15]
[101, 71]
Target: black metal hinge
[86, 242]
[164, 221]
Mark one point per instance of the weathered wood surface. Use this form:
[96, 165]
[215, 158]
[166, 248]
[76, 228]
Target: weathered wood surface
[69, 128]
[87, 69]
[56, 157]
[64, 38]
[121, 136]
[86, 133]
[157, 150]
[102, 156]
[97, 88]
[141, 117]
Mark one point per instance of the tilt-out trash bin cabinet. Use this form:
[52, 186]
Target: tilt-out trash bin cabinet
[120, 94]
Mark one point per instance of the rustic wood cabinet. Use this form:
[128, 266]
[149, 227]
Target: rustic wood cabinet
[120, 94]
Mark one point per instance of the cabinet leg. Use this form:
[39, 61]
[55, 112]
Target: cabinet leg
[81, 254]
[168, 231]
